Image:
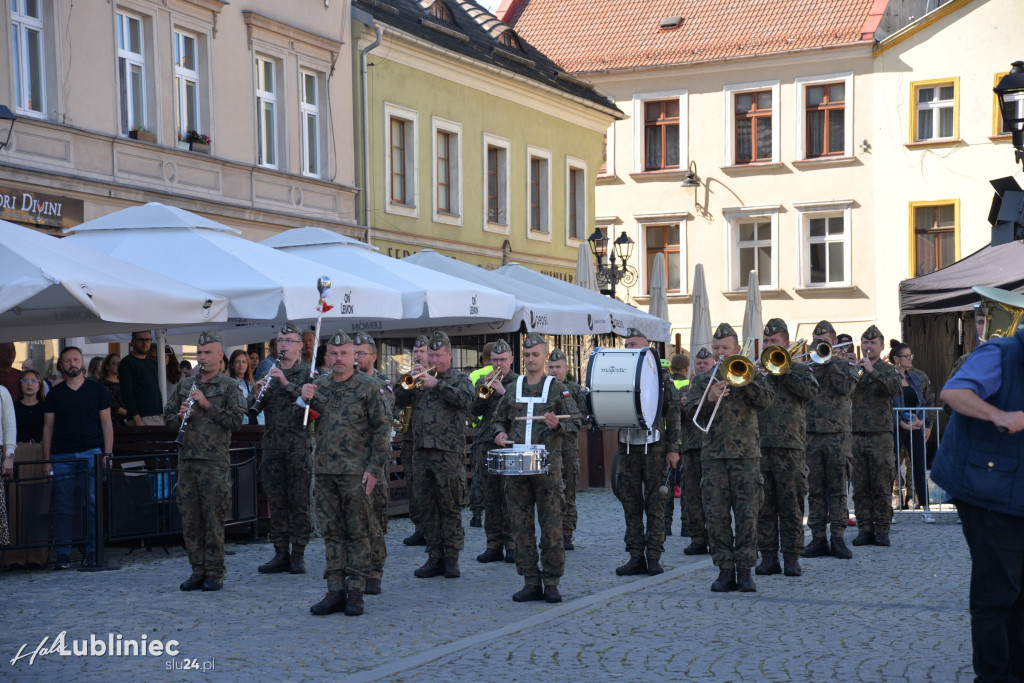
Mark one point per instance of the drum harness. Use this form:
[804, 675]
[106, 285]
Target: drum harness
[530, 401]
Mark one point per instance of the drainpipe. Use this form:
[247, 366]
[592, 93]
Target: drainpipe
[366, 129]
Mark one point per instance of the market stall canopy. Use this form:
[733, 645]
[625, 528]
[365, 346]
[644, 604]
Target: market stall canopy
[949, 289]
[264, 286]
[429, 298]
[539, 307]
[612, 316]
[52, 288]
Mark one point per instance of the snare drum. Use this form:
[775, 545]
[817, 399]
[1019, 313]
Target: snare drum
[519, 460]
[624, 388]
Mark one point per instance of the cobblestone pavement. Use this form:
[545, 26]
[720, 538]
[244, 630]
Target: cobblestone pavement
[889, 614]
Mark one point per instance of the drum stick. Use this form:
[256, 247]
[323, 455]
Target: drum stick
[664, 487]
[523, 418]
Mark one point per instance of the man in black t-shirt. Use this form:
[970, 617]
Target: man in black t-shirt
[76, 426]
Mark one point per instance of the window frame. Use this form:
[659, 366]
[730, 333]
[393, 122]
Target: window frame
[735, 217]
[609, 153]
[126, 114]
[811, 210]
[22, 24]
[915, 109]
[800, 139]
[582, 200]
[182, 76]
[729, 93]
[410, 117]
[639, 130]
[263, 98]
[912, 209]
[309, 110]
[503, 187]
[439, 125]
[544, 188]
[644, 226]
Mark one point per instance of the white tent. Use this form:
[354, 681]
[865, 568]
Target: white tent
[429, 298]
[51, 288]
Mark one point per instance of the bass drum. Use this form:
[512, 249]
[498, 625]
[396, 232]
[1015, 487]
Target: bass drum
[624, 388]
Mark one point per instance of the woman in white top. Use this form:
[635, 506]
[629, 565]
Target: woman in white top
[239, 369]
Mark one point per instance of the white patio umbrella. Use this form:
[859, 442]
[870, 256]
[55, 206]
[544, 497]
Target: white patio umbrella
[658, 304]
[428, 296]
[752, 325]
[585, 275]
[700, 328]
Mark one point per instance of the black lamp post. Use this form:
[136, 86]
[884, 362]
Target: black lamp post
[617, 269]
[1010, 92]
[7, 118]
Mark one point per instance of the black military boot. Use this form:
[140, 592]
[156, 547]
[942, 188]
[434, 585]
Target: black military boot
[637, 565]
[864, 537]
[726, 580]
[415, 539]
[510, 555]
[528, 593]
[354, 604]
[654, 565]
[818, 547]
[839, 548]
[213, 583]
[477, 519]
[744, 581]
[696, 548]
[333, 602]
[490, 555]
[281, 562]
[769, 565]
[434, 566]
[792, 565]
[372, 587]
[192, 583]
[451, 568]
[551, 594]
[882, 538]
[298, 559]
[567, 543]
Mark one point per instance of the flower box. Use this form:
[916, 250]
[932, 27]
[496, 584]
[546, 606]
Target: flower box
[201, 147]
[142, 135]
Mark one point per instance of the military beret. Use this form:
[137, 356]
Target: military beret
[823, 328]
[209, 337]
[533, 339]
[420, 342]
[501, 346]
[290, 328]
[440, 340]
[872, 333]
[363, 338]
[775, 326]
[703, 353]
[557, 355]
[725, 330]
[633, 332]
[340, 338]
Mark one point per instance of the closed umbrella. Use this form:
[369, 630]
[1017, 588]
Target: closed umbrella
[585, 275]
[752, 325]
[700, 328]
[658, 304]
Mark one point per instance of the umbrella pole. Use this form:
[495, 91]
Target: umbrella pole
[161, 363]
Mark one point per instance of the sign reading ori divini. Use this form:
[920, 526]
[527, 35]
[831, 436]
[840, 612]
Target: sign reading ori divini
[41, 209]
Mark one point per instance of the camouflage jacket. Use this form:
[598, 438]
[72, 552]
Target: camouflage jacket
[872, 399]
[284, 416]
[439, 414]
[485, 408]
[208, 433]
[353, 431]
[690, 438]
[830, 412]
[784, 423]
[733, 434]
[579, 397]
[387, 394]
[559, 402]
[670, 408]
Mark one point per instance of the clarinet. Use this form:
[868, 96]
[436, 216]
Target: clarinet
[258, 403]
[188, 408]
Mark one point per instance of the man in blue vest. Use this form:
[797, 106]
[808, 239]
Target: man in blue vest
[980, 464]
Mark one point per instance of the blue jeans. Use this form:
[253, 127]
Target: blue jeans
[73, 473]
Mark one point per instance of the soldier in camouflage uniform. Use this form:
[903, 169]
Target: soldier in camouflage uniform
[691, 443]
[366, 359]
[873, 461]
[679, 373]
[354, 439]
[827, 452]
[204, 486]
[409, 462]
[731, 482]
[497, 518]
[558, 365]
[476, 490]
[286, 470]
[643, 458]
[782, 428]
[440, 407]
[537, 394]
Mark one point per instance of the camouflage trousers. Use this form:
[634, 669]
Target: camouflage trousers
[478, 465]
[204, 498]
[497, 517]
[409, 467]
[378, 525]
[828, 461]
[732, 488]
[640, 476]
[343, 509]
[571, 480]
[780, 522]
[543, 493]
[691, 499]
[441, 486]
[873, 473]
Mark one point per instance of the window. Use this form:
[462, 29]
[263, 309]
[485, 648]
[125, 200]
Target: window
[400, 161]
[825, 129]
[825, 261]
[753, 129]
[131, 72]
[309, 107]
[934, 238]
[664, 239]
[399, 164]
[935, 111]
[607, 168]
[27, 46]
[186, 83]
[439, 11]
[496, 184]
[538, 196]
[266, 112]
[661, 135]
[447, 171]
[576, 200]
[509, 39]
[754, 246]
[1000, 127]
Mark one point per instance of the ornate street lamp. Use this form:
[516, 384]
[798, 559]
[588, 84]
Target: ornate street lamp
[1010, 92]
[7, 119]
[617, 269]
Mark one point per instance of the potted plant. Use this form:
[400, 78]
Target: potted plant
[141, 134]
[197, 142]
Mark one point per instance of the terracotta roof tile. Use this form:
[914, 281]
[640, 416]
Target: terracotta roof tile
[600, 35]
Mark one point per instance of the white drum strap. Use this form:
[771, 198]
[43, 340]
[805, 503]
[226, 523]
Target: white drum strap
[530, 401]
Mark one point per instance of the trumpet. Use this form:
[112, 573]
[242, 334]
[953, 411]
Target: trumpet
[487, 388]
[778, 360]
[411, 381]
[258, 403]
[822, 352]
[738, 370]
[180, 439]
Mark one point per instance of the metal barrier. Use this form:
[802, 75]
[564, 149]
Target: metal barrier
[913, 487]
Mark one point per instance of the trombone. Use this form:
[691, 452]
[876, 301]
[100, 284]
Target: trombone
[778, 360]
[411, 381]
[738, 370]
[821, 353]
[485, 390]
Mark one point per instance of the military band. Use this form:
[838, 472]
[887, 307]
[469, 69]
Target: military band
[691, 443]
[558, 366]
